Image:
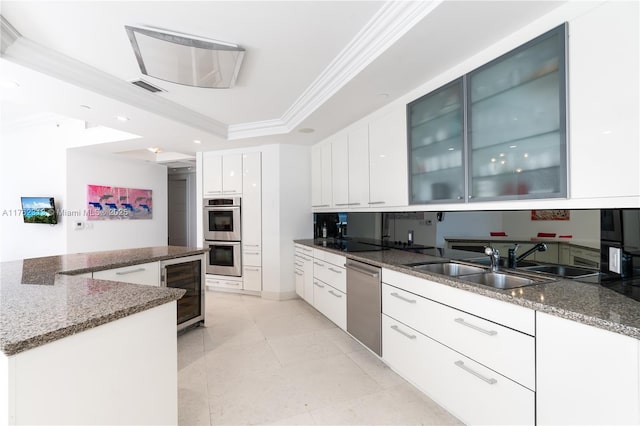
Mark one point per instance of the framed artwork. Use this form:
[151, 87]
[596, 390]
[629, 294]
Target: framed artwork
[116, 203]
[550, 214]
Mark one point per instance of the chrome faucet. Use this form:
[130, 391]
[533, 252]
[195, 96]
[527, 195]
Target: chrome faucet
[513, 260]
[494, 256]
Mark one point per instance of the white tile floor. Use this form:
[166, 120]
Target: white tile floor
[269, 362]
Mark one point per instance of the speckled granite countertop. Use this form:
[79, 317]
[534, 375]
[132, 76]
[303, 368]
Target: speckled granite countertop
[42, 301]
[586, 303]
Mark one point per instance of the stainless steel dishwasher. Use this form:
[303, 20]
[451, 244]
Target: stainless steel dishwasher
[364, 304]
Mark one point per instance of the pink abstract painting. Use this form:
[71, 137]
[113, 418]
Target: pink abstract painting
[115, 203]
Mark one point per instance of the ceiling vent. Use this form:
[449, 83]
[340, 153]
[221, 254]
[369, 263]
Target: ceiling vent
[147, 86]
[185, 59]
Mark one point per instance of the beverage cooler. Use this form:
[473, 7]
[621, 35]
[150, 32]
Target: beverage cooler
[186, 273]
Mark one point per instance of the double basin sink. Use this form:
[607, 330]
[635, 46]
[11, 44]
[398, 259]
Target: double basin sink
[502, 280]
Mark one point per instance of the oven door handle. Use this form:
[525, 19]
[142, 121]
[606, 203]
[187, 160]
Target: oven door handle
[221, 243]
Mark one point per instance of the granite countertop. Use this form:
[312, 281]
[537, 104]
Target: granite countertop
[42, 301]
[586, 303]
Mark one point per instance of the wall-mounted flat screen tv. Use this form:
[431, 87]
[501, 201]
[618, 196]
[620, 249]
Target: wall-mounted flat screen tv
[39, 210]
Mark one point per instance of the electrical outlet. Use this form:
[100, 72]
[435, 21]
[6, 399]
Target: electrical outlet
[78, 225]
[614, 260]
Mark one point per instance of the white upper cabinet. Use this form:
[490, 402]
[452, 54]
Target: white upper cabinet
[251, 201]
[358, 151]
[321, 176]
[340, 168]
[221, 175]
[388, 160]
[212, 174]
[604, 54]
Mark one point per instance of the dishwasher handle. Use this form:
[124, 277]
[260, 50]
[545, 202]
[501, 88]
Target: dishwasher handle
[363, 268]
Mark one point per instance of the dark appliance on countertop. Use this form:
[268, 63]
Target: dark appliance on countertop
[364, 304]
[620, 242]
[223, 236]
[186, 273]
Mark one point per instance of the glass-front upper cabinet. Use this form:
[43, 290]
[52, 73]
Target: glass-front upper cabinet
[436, 145]
[517, 122]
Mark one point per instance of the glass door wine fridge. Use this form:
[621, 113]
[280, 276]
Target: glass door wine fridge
[186, 273]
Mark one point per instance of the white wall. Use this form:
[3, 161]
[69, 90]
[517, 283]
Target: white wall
[33, 163]
[104, 169]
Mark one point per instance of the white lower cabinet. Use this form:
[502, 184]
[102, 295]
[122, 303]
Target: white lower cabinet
[299, 280]
[467, 389]
[585, 375]
[144, 273]
[330, 302]
[252, 278]
[230, 283]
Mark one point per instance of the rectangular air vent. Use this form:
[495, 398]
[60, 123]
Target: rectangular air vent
[147, 86]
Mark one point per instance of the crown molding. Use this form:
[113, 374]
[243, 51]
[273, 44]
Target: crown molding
[32, 55]
[392, 21]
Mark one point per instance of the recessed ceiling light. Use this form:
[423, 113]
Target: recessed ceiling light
[122, 118]
[197, 141]
[9, 84]
[306, 130]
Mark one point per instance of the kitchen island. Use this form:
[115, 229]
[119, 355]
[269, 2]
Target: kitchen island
[78, 350]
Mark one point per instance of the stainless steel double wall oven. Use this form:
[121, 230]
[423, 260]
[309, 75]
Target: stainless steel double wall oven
[223, 236]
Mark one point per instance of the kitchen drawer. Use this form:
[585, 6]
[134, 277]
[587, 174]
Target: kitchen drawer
[507, 314]
[224, 283]
[502, 349]
[330, 302]
[144, 273]
[251, 257]
[468, 390]
[252, 278]
[333, 258]
[331, 274]
[302, 249]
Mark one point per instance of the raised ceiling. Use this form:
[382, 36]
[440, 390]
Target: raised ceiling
[318, 64]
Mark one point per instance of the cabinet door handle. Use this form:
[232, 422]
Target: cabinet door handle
[337, 271]
[318, 264]
[404, 333]
[336, 295]
[299, 273]
[299, 264]
[252, 252]
[251, 245]
[232, 283]
[475, 327]
[130, 271]
[252, 269]
[394, 294]
[491, 381]
[307, 249]
[371, 203]
[229, 192]
[214, 192]
[342, 204]
[318, 285]
[321, 205]
[353, 204]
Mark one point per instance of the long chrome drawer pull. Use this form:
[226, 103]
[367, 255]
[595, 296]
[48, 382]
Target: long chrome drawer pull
[131, 271]
[404, 333]
[335, 270]
[336, 295]
[251, 245]
[394, 294]
[299, 264]
[318, 285]
[376, 202]
[252, 252]
[475, 327]
[353, 204]
[362, 271]
[307, 249]
[475, 373]
[342, 204]
[299, 273]
[252, 269]
[319, 264]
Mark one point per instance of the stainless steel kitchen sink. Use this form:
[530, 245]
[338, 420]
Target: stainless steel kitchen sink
[561, 270]
[449, 268]
[503, 281]
[503, 262]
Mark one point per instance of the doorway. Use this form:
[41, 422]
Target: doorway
[182, 207]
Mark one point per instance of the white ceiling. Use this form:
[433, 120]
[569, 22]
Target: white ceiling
[318, 64]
